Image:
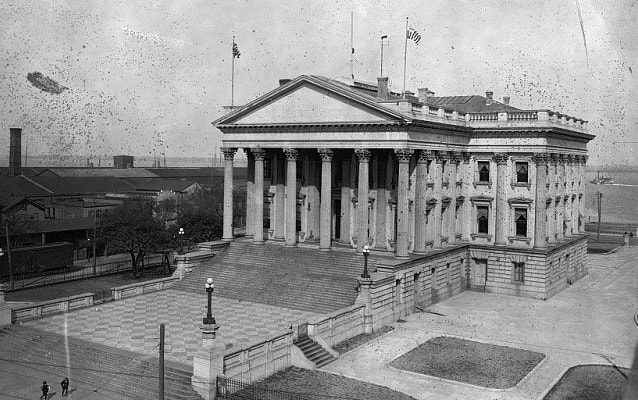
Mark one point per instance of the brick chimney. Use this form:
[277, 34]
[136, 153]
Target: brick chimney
[15, 152]
[424, 94]
[489, 97]
[382, 87]
[506, 100]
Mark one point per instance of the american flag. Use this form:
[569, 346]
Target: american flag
[414, 35]
[236, 52]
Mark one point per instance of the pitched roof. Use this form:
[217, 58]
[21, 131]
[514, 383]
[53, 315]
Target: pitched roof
[84, 185]
[7, 202]
[160, 184]
[473, 103]
[99, 172]
[19, 186]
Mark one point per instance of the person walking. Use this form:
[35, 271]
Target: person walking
[45, 390]
[65, 386]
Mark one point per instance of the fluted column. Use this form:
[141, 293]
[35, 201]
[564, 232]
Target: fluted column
[569, 179]
[466, 213]
[326, 199]
[280, 196]
[455, 160]
[363, 155]
[250, 190]
[403, 221]
[501, 200]
[345, 201]
[553, 185]
[291, 197]
[560, 193]
[258, 202]
[382, 200]
[229, 154]
[420, 202]
[583, 160]
[440, 159]
[540, 202]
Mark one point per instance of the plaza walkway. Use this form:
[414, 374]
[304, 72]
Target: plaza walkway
[590, 322]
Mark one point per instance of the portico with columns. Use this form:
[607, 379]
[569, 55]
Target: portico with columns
[345, 164]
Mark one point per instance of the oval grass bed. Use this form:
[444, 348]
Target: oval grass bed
[480, 364]
[590, 382]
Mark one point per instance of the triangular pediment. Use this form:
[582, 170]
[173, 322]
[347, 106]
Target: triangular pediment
[308, 104]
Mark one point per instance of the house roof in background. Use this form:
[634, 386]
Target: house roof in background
[99, 172]
[84, 185]
[19, 186]
[161, 184]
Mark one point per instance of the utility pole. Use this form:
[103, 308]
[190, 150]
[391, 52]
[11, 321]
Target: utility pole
[600, 196]
[94, 255]
[161, 363]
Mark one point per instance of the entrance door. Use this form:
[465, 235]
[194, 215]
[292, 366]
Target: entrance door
[480, 274]
[336, 212]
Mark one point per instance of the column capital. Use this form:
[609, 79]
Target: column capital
[455, 157]
[229, 152]
[363, 155]
[291, 154]
[442, 156]
[570, 159]
[553, 158]
[561, 158]
[403, 155]
[500, 158]
[584, 159]
[325, 154]
[540, 159]
[258, 154]
[466, 157]
[423, 156]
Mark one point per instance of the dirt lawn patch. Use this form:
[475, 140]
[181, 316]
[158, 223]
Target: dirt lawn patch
[320, 385]
[590, 382]
[460, 360]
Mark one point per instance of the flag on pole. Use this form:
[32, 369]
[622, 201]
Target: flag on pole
[236, 52]
[412, 34]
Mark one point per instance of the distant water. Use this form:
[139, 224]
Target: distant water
[619, 201]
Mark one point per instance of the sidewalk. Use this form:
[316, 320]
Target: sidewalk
[590, 322]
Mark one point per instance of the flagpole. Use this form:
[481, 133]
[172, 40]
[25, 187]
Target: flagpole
[232, 77]
[405, 54]
[352, 44]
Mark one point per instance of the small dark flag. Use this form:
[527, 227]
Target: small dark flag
[236, 52]
[414, 35]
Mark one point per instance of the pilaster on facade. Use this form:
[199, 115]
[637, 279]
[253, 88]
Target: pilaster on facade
[540, 202]
[420, 198]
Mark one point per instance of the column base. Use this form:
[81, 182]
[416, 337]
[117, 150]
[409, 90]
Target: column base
[259, 242]
[402, 257]
[227, 239]
[419, 252]
[290, 245]
[325, 248]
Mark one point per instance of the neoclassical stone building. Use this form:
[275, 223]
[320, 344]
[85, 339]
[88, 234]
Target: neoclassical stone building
[338, 162]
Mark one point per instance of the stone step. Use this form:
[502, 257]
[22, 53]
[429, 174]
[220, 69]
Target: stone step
[314, 352]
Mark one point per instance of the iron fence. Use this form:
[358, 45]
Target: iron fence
[232, 389]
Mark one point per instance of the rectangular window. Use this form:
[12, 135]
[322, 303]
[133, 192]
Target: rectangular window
[521, 172]
[520, 219]
[484, 171]
[482, 217]
[519, 272]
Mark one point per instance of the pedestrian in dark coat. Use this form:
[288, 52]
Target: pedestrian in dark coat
[65, 386]
[45, 390]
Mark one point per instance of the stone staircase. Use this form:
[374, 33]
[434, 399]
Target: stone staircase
[314, 352]
[298, 278]
[115, 373]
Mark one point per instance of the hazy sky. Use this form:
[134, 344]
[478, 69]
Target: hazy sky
[148, 76]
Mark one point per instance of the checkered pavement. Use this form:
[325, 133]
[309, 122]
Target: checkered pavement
[133, 323]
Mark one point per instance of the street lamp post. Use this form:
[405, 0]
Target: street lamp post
[366, 251]
[209, 320]
[181, 240]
